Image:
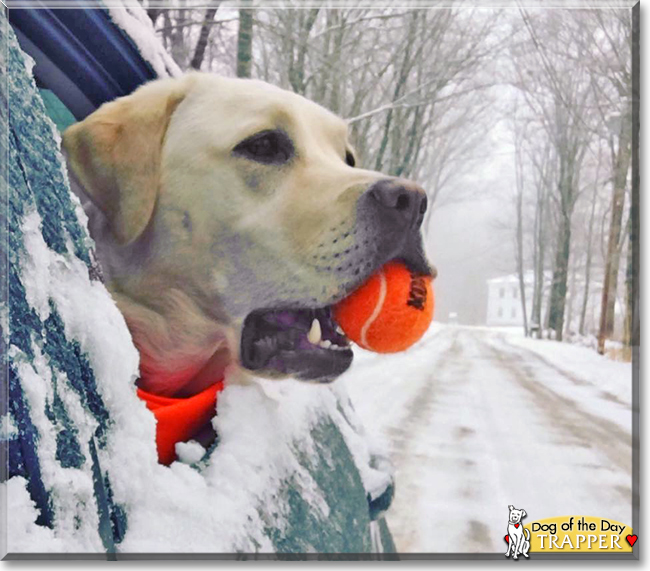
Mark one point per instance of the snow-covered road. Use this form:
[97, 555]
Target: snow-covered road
[476, 419]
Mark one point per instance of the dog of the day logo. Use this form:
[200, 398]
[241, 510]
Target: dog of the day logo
[518, 537]
[582, 534]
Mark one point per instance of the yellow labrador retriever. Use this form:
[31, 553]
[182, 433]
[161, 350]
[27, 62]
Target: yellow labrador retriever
[229, 216]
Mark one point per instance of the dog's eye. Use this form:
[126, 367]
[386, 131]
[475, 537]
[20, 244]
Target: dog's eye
[349, 159]
[268, 147]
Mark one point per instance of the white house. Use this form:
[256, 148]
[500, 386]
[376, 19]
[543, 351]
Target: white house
[504, 300]
[504, 303]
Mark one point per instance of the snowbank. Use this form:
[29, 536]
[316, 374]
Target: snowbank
[609, 375]
[131, 17]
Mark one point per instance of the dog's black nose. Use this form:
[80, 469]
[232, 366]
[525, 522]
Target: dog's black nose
[389, 215]
[401, 203]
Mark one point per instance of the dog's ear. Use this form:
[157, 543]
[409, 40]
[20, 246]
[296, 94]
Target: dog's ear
[511, 508]
[115, 153]
[523, 513]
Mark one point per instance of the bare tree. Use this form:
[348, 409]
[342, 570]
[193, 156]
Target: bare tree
[612, 82]
[204, 34]
[632, 314]
[245, 42]
[297, 73]
[542, 168]
[520, 133]
[559, 95]
[621, 163]
[589, 254]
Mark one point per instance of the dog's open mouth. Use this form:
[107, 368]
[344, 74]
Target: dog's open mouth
[306, 343]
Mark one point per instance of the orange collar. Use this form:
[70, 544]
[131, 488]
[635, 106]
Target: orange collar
[178, 419]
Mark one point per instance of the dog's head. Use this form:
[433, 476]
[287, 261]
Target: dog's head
[229, 215]
[516, 515]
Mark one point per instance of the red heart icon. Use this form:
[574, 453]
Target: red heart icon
[507, 539]
[631, 539]
[516, 525]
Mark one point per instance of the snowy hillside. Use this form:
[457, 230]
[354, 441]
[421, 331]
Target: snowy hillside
[477, 419]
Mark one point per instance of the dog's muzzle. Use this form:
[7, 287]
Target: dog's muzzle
[306, 342]
[393, 210]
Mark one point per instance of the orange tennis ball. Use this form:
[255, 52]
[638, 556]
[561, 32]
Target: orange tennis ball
[390, 312]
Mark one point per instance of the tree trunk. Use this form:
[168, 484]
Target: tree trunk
[405, 69]
[538, 294]
[323, 78]
[406, 163]
[520, 226]
[631, 333]
[245, 42]
[615, 265]
[629, 289]
[167, 29]
[612, 261]
[633, 269]
[520, 261]
[590, 236]
[176, 35]
[585, 295]
[547, 319]
[631, 330]
[539, 248]
[570, 300]
[337, 51]
[558, 287]
[297, 70]
[570, 150]
[204, 34]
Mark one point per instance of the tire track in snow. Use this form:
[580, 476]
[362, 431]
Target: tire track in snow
[407, 462]
[412, 462]
[587, 429]
[570, 376]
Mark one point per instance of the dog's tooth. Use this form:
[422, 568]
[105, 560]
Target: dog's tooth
[325, 344]
[339, 330]
[314, 334]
